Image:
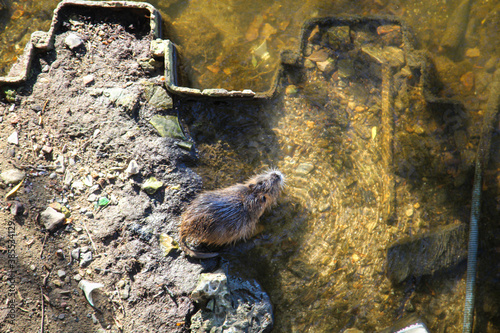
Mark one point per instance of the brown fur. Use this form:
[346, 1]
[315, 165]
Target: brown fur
[225, 216]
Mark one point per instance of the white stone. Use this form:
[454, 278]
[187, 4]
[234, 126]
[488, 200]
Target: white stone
[73, 41]
[132, 169]
[78, 185]
[13, 138]
[12, 176]
[88, 79]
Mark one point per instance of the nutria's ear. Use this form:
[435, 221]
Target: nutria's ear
[251, 186]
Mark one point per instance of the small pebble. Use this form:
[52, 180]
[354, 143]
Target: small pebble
[13, 138]
[47, 150]
[491, 64]
[77, 277]
[94, 188]
[61, 274]
[60, 168]
[78, 185]
[92, 198]
[473, 53]
[88, 79]
[304, 168]
[75, 254]
[132, 169]
[85, 259]
[409, 212]
[73, 41]
[16, 208]
[61, 316]
[125, 293]
[33, 267]
[60, 254]
[291, 90]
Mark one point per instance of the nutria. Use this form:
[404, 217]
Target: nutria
[224, 216]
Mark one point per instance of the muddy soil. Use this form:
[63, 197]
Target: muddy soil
[80, 109]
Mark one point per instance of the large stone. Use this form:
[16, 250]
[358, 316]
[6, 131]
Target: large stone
[230, 304]
[12, 176]
[428, 253]
[51, 218]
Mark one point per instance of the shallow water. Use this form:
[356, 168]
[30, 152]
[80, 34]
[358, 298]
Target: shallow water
[352, 188]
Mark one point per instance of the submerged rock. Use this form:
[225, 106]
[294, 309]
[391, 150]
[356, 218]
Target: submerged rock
[230, 304]
[426, 254]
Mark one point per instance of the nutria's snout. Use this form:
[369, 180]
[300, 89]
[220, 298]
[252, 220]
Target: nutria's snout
[278, 177]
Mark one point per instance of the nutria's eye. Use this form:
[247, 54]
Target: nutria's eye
[260, 183]
[263, 199]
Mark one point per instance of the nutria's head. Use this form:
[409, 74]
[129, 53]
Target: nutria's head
[266, 187]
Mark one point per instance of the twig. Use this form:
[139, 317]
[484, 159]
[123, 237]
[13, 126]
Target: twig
[91, 241]
[46, 278]
[43, 312]
[118, 324]
[43, 245]
[44, 105]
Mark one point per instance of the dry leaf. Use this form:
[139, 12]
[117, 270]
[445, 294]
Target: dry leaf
[313, 33]
[319, 55]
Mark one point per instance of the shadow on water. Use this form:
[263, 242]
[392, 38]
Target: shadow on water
[311, 259]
